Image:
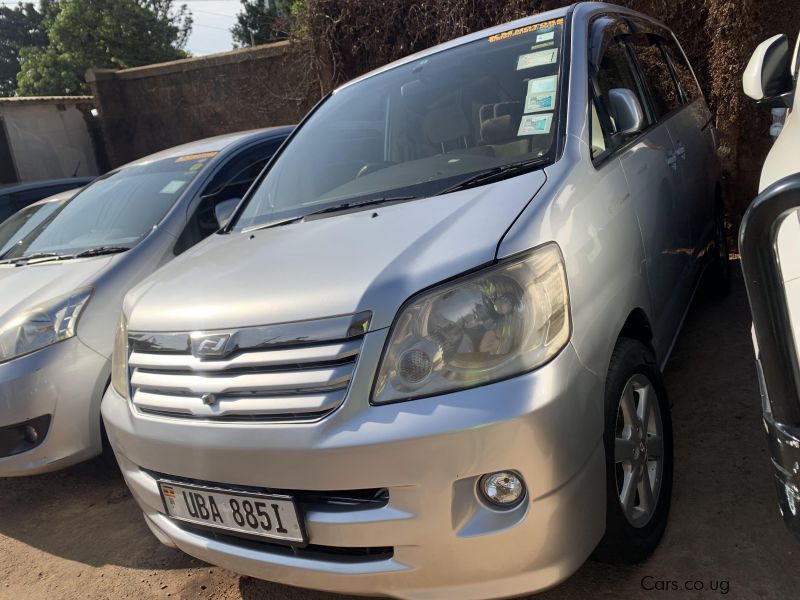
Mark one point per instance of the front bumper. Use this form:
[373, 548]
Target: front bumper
[429, 454]
[64, 381]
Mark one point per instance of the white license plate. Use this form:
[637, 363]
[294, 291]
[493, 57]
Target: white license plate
[264, 515]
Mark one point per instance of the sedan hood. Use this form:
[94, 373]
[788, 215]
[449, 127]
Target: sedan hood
[372, 259]
[23, 287]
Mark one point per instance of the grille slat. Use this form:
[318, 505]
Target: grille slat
[299, 381]
[230, 406]
[303, 381]
[328, 353]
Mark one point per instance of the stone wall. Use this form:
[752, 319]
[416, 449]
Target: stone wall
[146, 109]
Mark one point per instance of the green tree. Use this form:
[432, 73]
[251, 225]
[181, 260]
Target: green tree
[85, 34]
[258, 22]
[20, 26]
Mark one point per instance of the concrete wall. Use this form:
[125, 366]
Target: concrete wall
[146, 109]
[49, 139]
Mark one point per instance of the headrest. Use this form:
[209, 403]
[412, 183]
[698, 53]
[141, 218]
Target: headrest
[513, 109]
[499, 129]
[445, 124]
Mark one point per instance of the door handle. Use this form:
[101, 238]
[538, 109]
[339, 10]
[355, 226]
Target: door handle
[672, 160]
[680, 150]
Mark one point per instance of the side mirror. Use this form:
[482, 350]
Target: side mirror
[225, 209]
[768, 76]
[626, 111]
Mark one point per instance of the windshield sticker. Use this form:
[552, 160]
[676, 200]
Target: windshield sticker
[188, 157]
[172, 186]
[541, 94]
[537, 59]
[499, 37]
[545, 37]
[196, 166]
[535, 124]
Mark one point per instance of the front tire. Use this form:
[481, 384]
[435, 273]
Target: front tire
[638, 445]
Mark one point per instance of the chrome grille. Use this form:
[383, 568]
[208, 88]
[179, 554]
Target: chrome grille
[287, 371]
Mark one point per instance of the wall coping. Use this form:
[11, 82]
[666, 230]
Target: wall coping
[14, 100]
[190, 64]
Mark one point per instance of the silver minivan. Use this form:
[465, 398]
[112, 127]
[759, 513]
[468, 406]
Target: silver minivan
[67, 262]
[424, 359]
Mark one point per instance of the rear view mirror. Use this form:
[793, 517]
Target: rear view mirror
[224, 210]
[768, 76]
[626, 111]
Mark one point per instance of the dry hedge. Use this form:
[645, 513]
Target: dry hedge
[341, 39]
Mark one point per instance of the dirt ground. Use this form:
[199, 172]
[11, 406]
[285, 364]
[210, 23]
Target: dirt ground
[78, 533]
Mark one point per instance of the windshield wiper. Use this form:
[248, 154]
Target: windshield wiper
[496, 174]
[100, 250]
[333, 209]
[24, 260]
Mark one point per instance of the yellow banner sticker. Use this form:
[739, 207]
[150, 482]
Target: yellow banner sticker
[523, 30]
[188, 157]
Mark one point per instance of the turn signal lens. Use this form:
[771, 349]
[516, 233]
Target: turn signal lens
[119, 359]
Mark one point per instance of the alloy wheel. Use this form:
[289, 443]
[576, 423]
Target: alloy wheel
[639, 450]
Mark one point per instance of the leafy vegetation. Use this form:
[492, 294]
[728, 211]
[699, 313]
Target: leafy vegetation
[261, 22]
[58, 43]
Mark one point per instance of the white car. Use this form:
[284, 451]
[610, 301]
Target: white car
[770, 247]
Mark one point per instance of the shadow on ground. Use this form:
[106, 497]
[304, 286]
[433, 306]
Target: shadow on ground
[83, 514]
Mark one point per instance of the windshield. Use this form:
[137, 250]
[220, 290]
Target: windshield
[417, 129]
[118, 210]
[21, 223]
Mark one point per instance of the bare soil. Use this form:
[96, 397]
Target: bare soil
[78, 533]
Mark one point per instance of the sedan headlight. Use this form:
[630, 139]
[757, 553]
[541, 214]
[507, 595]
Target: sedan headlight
[119, 359]
[494, 324]
[42, 325]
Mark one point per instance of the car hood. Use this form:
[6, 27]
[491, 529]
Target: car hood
[23, 287]
[371, 259]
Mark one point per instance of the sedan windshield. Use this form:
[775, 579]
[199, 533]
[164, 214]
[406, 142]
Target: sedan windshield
[114, 212]
[421, 128]
[21, 223]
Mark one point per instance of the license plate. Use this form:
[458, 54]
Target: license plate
[264, 515]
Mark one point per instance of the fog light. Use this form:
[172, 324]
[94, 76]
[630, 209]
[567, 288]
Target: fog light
[504, 489]
[31, 434]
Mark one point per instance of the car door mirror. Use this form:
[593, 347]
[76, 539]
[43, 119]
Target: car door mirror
[768, 76]
[626, 111]
[224, 210]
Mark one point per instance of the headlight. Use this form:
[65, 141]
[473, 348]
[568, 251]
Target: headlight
[119, 359]
[42, 325]
[491, 325]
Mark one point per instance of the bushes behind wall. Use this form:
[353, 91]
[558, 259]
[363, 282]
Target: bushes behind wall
[345, 38]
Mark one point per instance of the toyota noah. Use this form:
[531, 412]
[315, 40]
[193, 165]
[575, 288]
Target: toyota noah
[424, 359]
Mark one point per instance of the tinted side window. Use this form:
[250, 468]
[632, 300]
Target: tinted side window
[655, 69]
[683, 71]
[230, 183]
[615, 70]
